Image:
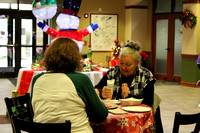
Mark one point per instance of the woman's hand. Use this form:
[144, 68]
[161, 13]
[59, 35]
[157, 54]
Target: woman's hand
[106, 92]
[125, 90]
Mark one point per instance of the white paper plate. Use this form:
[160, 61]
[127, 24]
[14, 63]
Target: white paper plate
[113, 107]
[136, 109]
[112, 101]
[117, 111]
[116, 101]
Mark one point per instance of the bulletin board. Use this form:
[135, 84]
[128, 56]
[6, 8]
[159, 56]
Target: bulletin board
[103, 38]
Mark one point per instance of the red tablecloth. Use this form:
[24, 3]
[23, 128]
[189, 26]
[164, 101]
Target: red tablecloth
[131, 122]
[25, 81]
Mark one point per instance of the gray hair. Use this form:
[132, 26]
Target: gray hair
[131, 48]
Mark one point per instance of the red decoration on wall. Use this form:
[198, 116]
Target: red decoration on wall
[188, 19]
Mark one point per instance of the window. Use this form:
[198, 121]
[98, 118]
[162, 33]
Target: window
[168, 6]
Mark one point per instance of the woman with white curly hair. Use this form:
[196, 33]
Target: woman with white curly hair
[130, 80]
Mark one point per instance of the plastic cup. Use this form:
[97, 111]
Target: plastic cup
[110, 84]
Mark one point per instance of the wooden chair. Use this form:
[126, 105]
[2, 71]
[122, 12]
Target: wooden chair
[186, 119]
[21, 115]
[33, 127]
[19, 106]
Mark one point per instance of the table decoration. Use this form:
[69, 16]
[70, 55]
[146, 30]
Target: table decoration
[89, 65]
[38, 64]
[116, 50]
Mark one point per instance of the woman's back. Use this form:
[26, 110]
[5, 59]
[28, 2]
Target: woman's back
[55, 99]
[63, 94]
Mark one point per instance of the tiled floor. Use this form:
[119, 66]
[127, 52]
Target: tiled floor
[6, 88]
[177, 98]
[174, 98]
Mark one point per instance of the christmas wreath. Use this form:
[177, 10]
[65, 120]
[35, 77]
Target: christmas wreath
[188, 19]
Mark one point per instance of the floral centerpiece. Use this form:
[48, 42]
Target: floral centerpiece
[89, 65]
[38, 64]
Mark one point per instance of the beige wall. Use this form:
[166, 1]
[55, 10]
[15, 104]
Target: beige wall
[191, 37]
[138, 25]
[128, 25]
[133, 2]
[149, 26]
[137, 20]
[93, 6]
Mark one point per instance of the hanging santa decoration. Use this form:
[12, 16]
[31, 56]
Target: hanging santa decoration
[68, 22]
[44, 9]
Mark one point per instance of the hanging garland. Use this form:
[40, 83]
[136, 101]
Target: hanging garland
[188, 19]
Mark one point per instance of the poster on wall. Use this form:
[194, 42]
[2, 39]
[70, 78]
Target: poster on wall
[103, 38]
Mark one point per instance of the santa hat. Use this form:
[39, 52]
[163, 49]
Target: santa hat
[71, 7]
[43, 3]
[38, 4]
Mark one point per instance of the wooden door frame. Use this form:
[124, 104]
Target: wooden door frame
[170, 55]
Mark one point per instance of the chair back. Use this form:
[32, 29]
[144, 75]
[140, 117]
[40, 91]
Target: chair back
[156, 102]
[33, 127]
[19, 106]
[157, 122]
[186, 119]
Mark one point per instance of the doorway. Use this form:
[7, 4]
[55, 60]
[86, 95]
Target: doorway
[167, 46]
[17, 41]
